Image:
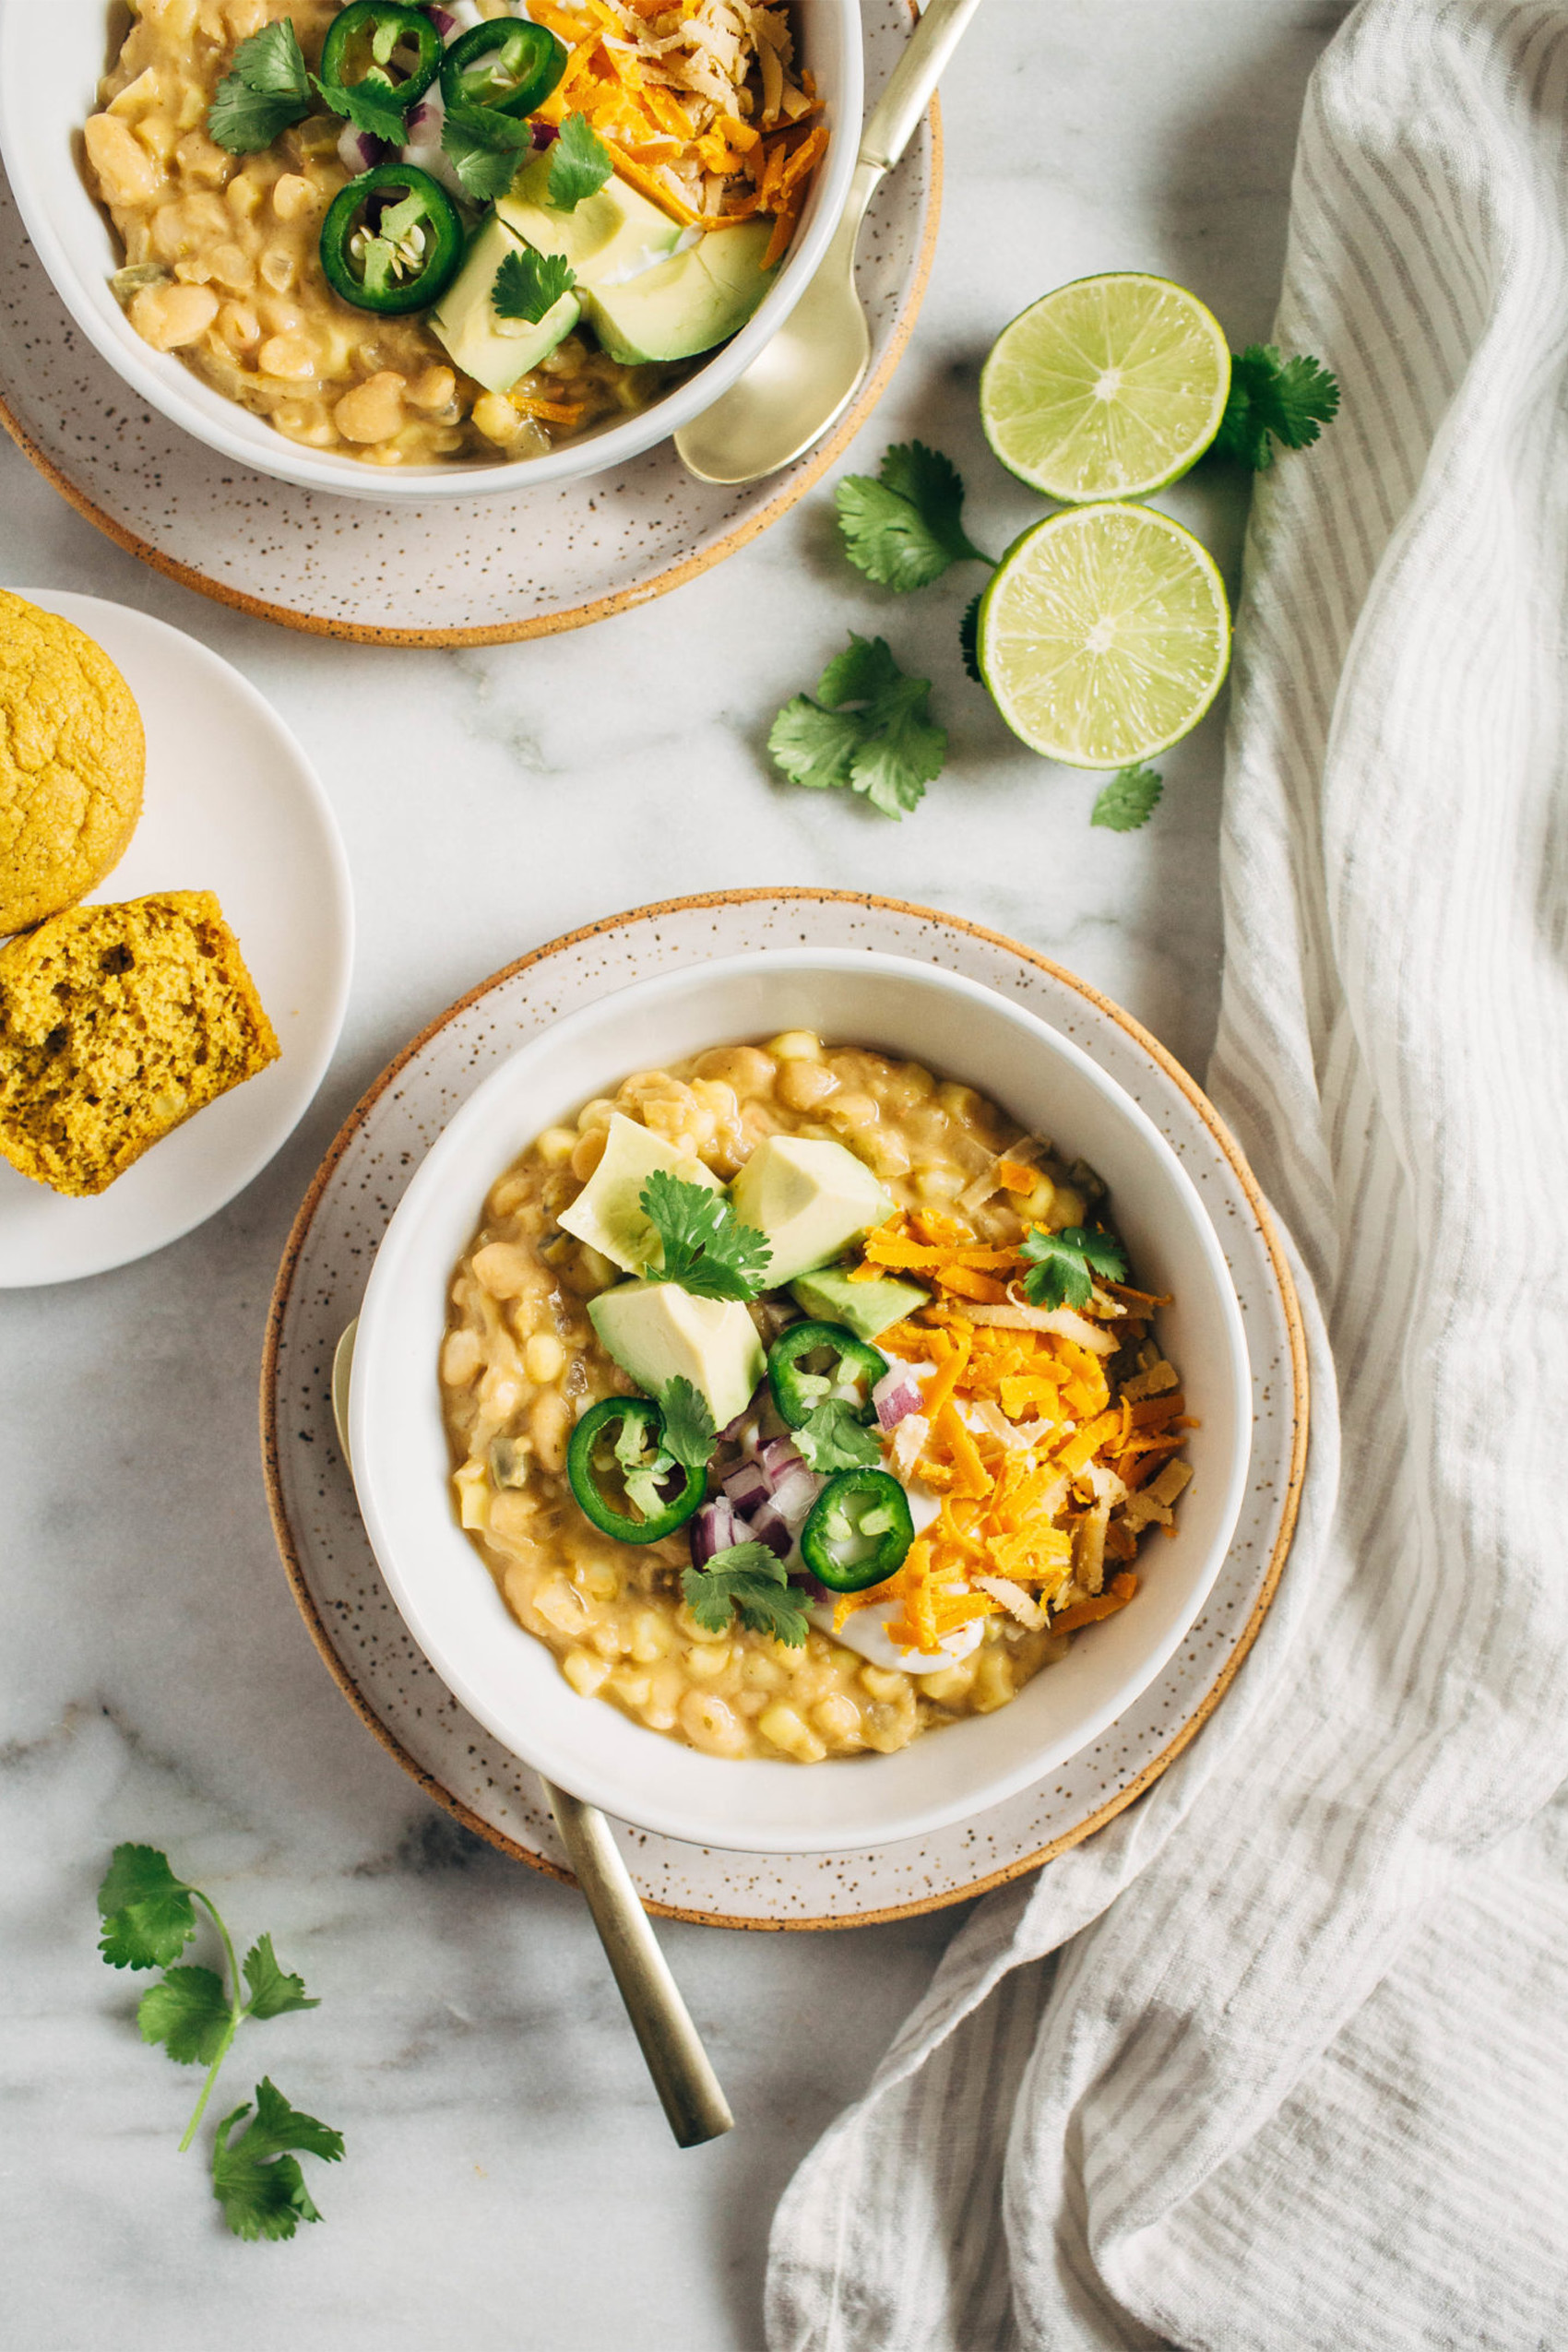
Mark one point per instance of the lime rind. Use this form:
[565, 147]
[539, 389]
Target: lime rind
[1104, 635]
[1108, 389]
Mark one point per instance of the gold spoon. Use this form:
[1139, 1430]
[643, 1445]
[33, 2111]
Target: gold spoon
[682, 2075]
[804, 380]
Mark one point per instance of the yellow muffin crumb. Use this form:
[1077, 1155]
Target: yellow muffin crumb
[117, 1023]
[72, 759]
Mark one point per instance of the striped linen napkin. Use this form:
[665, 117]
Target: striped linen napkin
[1279, 2060]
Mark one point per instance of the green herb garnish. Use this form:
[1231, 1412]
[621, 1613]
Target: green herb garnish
[1060, 1265]
[148, 1918]
[484, 148]
[266, 90]
[254, 2178]
[906, 528]
[528, 284]
[706, 1250]
[747, 1580]
[1288, 400]
[689, 1432]
[834, 1437]
[371, 105]
[870, 728]
[579, 164]
[1128, 801]
[968, 637]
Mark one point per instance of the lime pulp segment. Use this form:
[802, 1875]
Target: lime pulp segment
[1109, 387]
[1104, 635]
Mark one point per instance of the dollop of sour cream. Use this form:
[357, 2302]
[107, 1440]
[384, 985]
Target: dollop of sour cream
[866, 1632]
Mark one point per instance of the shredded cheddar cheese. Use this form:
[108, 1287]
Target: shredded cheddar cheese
[1047, 1467]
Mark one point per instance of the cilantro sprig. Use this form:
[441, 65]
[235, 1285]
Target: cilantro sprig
[705, 1249]
[371, 105]
[149, 1917]
[529, 284]
[485, 149]
[689, 1432]
[834, 1437]
[579, 164]
[1274, 400]
[869, 728]
[746, 1581]
[1129, 800]
[266, 90]
[905, 528]
[1062, 1266]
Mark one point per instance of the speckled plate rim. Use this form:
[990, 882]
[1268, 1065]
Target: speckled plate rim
[542, 624]
[282, 1289]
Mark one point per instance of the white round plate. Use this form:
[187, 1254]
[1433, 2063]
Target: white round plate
[351, 1615]
[472, 572]
[233, 806]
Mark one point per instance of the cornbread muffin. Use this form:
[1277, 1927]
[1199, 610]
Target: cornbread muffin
[116, 1022]
[72, 757]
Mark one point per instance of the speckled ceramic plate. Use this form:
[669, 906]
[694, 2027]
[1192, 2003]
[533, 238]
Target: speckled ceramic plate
[351, 1615]
[464, 574]
[232, 805]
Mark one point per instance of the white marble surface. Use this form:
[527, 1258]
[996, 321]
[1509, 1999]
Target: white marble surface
[509, 2180]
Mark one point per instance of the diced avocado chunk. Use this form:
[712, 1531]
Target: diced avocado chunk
[607, 1213]
[868, 1308]
[657, 1333]
[611, 234]
[809, 1198]
[688, 304]
[495, 351]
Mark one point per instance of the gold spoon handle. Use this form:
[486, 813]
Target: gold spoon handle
[682, 2075]
[892, 119]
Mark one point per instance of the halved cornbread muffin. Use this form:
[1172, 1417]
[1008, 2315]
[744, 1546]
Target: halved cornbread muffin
[116, 1024]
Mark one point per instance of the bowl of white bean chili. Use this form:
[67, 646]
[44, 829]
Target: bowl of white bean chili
[424, 251]
[674, 1527]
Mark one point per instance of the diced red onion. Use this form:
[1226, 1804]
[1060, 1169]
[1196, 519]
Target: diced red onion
[770, 1526]
[780, 1453]
[544, 134]
[421, 112]
[713, 1530]
[896, 1394]
[795, 1493]
[358, 152]
[747, 1485]
[445, 22]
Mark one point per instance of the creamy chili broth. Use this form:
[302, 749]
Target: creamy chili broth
[235, 285]
[521, 1364]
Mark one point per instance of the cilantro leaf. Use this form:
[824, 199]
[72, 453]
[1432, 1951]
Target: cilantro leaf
[484, 148]
[689, 1432]
[869, 728]
[747, 1580]
[266, 90]
[274, 1991]
[188, 2012]
[706, 1250]
[1128, 801]
[906, 528]
[834, 1437]
[579, 164]
[1060, 1265]
[254, 2178]
[968, 637]
[149, 1917]
[1288, 399]
[371, 105]
[527, 284]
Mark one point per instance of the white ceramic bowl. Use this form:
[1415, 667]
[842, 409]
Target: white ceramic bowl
[52, 55]
[512, 1682]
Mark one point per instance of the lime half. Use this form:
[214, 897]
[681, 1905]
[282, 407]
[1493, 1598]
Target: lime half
[1104, 635]
[1108, 389]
